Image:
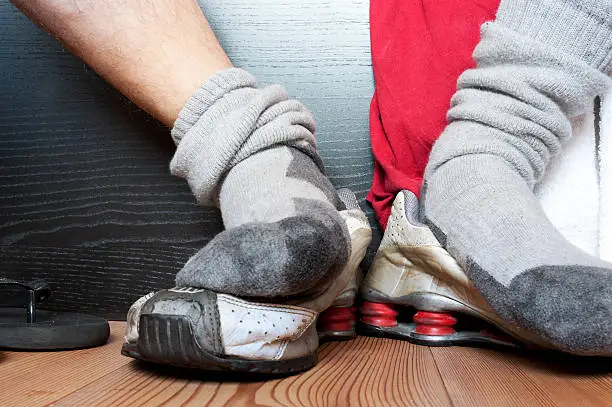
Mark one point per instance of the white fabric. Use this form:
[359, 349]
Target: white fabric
[569, 192]
[576, 194]
[605, 178]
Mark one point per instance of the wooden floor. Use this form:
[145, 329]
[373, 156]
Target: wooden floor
[362, 372]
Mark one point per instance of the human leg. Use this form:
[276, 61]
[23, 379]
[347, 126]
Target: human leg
[252, 151]
[507, 117]
[419, 49]
[413, 267]
[156, 53]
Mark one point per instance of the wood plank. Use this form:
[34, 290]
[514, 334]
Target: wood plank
[39, 378]
[362, 372]
[481, 377]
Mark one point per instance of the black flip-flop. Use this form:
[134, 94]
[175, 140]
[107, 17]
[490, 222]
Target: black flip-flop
[32, 329]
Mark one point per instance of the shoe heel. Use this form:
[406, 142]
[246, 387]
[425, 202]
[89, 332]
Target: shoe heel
[338, 322]
[378, 314]
[434, 323]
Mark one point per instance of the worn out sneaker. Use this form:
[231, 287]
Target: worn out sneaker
[198, 328]
[416, 291]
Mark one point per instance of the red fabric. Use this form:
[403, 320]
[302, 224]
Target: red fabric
[419, 49]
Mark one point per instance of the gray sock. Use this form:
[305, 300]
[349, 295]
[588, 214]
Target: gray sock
[253, 152]
[539, 63]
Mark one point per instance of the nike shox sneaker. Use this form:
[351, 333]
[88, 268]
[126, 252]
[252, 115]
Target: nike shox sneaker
[198, 328]
[416, 291]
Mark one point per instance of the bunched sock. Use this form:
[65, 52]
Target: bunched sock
[538, 64]
[252, 151]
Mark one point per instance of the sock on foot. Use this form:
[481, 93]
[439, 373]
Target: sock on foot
[253, 152]
[537, 64]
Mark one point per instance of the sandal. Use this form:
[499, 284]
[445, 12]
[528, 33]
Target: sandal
[34, 329]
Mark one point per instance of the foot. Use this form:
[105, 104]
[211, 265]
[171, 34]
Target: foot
[508, 117]
[284, 235]
[253, 152]
[413, 272]
[212, 331]
[493, 225]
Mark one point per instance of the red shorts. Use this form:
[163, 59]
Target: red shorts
[419, 49]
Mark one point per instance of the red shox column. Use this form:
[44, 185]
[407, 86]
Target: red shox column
[434, 323]
[338, 319]
[378, 314]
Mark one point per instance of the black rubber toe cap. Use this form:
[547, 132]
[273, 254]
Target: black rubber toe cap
[197, 307]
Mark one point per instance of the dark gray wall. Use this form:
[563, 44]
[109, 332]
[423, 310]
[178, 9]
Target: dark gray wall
[86, 199]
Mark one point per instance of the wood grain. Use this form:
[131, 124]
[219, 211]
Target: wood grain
[39, 378]
[100, 280]
[86, 198]
[497, 378]
[363, 372]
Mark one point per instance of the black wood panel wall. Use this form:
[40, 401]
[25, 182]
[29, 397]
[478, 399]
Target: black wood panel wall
[86, 198]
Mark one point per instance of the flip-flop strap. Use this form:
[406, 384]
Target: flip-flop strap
[38, 291]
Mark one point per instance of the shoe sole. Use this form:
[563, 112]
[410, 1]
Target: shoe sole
[438, 321]
[169, 339]
[428, 280]
[410, 332]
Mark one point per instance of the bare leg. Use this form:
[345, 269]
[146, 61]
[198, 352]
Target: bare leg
[249, 150]
[155, 52]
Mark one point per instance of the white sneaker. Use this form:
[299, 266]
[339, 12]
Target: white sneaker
[416, 291]
[214, 331]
